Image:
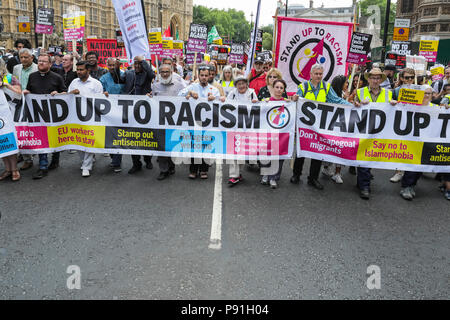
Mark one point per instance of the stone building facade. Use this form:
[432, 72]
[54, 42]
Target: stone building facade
[101, 20]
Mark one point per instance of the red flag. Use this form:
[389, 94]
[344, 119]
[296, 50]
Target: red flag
[167, 33]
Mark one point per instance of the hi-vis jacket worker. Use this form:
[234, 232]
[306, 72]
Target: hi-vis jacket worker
[317, 90]
[372, 93]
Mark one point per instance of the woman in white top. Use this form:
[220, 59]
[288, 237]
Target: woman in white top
[226, 80]
[240, 93]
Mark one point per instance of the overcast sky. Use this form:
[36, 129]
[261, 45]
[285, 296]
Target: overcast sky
[267, 6]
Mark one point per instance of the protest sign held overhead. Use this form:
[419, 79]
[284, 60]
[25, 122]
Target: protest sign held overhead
[132, 24]
[302, 43]
[359, 48]
[155, 41]
[74, 24]
[437, 72]
[105, 48]
[401, 47]
[429, 47]
[222, 55]
[44, 23]
[198, 38]
[237, 53]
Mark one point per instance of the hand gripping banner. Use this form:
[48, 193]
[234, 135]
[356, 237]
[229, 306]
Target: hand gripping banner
[8, 139]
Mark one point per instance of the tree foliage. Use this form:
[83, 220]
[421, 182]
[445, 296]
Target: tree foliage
[364, 5]
[230, 23]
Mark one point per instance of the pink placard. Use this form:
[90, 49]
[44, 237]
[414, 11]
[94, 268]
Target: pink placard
[253, 143]
[32, 137]
[345, 148]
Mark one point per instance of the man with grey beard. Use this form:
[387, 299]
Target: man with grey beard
[168, 85]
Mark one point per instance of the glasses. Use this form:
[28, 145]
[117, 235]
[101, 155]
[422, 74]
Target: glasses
[428, 93]
[375, 78]
[409, 78]
[273, 77]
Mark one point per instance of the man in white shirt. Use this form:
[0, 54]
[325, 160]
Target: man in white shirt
[201, 89]
[85, 85]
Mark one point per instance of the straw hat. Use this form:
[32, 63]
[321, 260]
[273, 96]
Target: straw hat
[375, 72]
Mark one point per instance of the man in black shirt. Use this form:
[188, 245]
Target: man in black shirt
[45, 81]
[96, 71]
[139, 82]
[67, 70]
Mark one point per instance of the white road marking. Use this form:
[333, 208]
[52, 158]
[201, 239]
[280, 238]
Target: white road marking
[215, 241]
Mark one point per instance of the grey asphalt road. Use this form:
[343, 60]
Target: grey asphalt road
[137, 238]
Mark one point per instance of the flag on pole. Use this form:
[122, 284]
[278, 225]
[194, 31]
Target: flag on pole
[177, 36]
[251, 56]
[213, 35]
[167, 33]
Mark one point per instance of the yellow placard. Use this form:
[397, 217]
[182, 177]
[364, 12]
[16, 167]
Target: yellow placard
[167, 44]
[76, 134]
[154, 38]
[74, 22]
[178, 45]
[401, 34]
[411, 96]
[437, 71]
[24, 27]
[429, 45]
[385, 150]
[218, 41]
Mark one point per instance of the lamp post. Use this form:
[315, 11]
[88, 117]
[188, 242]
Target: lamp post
[285, 13]
[386, 27]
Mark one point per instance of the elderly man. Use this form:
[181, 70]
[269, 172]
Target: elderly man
[19, 44]
[175, 66]
[139, 82]
[372, 93]
[22, 72]
[318, 90]
[201, 89]
[85, 85]
[167, 86]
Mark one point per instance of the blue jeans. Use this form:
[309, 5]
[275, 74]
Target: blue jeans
[363, 178]
[116, 160]
[43, 160]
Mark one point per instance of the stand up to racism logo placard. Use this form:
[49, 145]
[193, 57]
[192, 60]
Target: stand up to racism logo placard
[303, 43]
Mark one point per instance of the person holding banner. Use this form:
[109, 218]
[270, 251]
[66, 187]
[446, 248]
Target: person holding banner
[317, 90]
[372, 93]
[410, 178]
[200, 89]
[167, 86]
[85, 85]
[244, 94]
[139, 82]
[407, 77]
[45, 81]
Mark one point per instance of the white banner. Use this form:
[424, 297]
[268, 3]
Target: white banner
[162, 126]
[378, 135]
[132, 24]
[301, 43]
[8, 139]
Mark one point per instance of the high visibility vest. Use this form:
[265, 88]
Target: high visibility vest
[309, 94]
[384, 96]
[224, 84]
[7, 78]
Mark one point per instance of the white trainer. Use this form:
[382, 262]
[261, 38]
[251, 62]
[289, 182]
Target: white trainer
[85, 173]
[337, 178]
[397, 177]
[328, 171]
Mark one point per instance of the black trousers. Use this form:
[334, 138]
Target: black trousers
[196, 168]
[314, 169]
[137, 160]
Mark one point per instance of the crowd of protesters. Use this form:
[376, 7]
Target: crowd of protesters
[44, 73]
